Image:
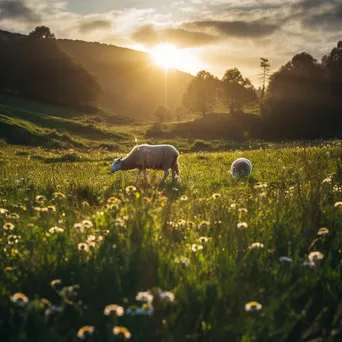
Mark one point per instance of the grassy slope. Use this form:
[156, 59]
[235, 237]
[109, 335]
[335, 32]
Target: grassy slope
[148, 230]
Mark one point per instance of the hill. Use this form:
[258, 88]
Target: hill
[131, 83]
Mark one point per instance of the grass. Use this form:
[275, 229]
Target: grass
[180, 238]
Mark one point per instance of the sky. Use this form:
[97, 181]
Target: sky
[220, 34]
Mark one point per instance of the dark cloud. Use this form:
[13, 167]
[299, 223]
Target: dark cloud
[92, 25]
[149, 36]
[240, 29]
[17, 9]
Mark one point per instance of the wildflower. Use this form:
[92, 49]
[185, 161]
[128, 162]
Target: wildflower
[40, 199]
[114, 309]
[327, 180]
[87, 224]
[38, 209]
[242, 225]
[184, 198]
[119, 222]
[3, 211]
[216, 196]
[256, 245]
[243, 210]
[14, 216]
[203, 239]
[284, 259]
[336, 189]
[204, 225]
[83, 247]
[8, 226]
[338, 205]
[58, 196]
[79, 227]
[144, 296]
[51, 209]
[85, 204]
[9, 268]
[196, 248]
[233, 206]
[167, 296]
[260, 186]
[12, 239]
[182, 260]
[122, 332]
[54, 230]
[181, 222]
[309, 264]
[56, 284]
[19, 299]
[323, 231]
[130, 189]
[191, 224]
[315, 256]
[52, 310]
[86, 331]
[253, 307]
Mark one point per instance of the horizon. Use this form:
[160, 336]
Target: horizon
[213, 37]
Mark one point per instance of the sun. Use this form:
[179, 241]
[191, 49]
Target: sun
[166, 55]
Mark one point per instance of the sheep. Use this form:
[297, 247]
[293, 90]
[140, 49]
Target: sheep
[142, 157]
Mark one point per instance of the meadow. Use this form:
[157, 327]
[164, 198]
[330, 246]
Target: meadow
[87, 255]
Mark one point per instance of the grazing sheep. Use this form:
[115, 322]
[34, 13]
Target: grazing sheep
[142, 157]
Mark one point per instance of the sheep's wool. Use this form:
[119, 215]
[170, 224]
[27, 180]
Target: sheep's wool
[241, 167]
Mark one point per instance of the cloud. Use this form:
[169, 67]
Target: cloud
[241, 29]
[17, 9]
[92, 25]
[149, 35]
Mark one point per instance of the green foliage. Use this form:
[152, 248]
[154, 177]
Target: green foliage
[161, 113]
[184, 240]
[237, 91]
[200, 95]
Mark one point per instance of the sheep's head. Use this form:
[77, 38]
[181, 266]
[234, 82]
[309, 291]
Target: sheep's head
[116, 165]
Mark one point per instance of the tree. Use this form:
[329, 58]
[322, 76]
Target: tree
[265, 65]
[161, 113]
[237, 91]
[41, 32]
[201, 93]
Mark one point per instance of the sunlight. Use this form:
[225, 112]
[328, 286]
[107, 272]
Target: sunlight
[169, 56]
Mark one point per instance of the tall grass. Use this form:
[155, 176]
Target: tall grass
[215, 242]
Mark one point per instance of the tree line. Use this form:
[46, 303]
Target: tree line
[302, 100]
[35, 67]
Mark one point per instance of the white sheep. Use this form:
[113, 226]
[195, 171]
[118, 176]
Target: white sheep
[142, 157]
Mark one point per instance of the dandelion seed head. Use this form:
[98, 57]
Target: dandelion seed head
[216, 196]
[114, 309]
[55, 230]
[323, 231]
[87, 224]
[122, 331]
[8, 226]
[315, 256]
[144, 296]
[242, 225]
[338, 205]
[83, 247]
[184, 198]
[256, 245]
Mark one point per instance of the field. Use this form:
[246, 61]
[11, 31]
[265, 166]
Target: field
[75, 239]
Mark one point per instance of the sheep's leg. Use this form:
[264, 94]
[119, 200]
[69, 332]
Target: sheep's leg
[173, 176]
[138, 175]
[166, 173]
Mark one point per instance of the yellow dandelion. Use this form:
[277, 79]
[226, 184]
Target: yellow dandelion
[8, 226]
[87, 224]
[122, 332]
[323, 231]
[56, 283]
[114, 309]
[83, 247]
[253, 307]
[130, 189]
[184, 198]
[19, 299]
[242, 225]
[40, 199]
[315, 256]
[216, 196]
[86, 331]
[338, 205]
[256, 245]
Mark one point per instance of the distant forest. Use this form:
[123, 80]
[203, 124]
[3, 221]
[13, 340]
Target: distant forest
[303, 99]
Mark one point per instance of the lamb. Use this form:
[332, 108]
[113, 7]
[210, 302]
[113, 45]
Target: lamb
[157, 157]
